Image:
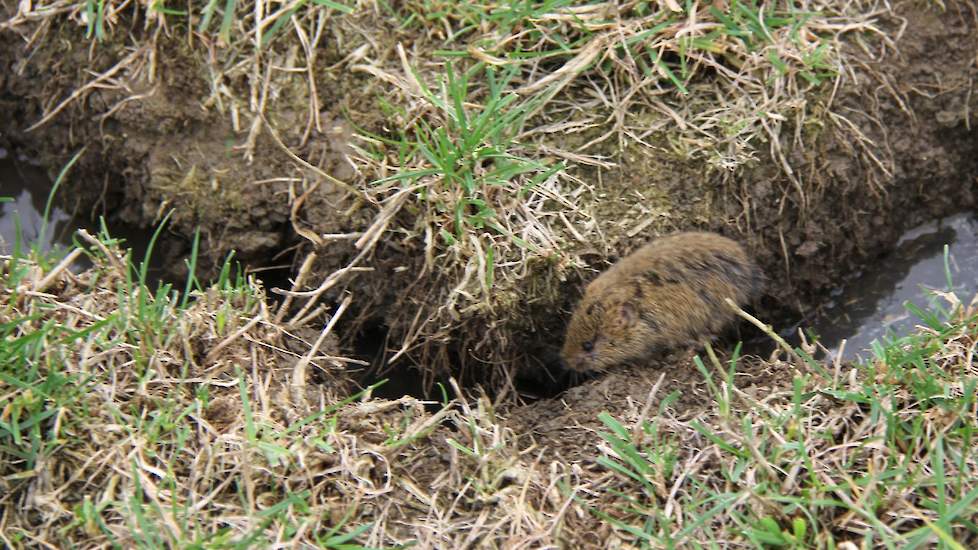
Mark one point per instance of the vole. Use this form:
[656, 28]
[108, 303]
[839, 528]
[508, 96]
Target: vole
[667, 293]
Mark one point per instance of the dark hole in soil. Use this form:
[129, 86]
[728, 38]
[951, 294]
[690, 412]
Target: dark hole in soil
[554, 380]
[403, 378]
[274, 277]
[370, 344]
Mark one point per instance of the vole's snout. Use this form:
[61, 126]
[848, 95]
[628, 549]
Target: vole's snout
[579, 362]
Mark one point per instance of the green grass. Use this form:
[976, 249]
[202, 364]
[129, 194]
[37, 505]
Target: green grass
[231, 14]
[469, 154]
[889, 460]
[114, 383]
[467, 168]
[481, 22]
[521, 31]
[106, 381]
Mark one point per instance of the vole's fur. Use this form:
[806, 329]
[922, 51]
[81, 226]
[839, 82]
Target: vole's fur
[668, 293]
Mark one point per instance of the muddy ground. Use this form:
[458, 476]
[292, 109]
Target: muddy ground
[170, 143]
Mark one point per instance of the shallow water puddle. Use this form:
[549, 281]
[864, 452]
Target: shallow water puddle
[871, 304]
[28, 187]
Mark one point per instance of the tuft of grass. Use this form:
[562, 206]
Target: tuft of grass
[469, 170]
[232, 14]
[118, 415]
[737, 56]
[883, 456]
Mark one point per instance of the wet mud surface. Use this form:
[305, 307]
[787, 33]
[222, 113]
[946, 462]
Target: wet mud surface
[870, 306]
[22, 218]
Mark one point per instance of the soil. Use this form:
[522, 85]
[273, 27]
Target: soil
[168, 145]
[165, 151]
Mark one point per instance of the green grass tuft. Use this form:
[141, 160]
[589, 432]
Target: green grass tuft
[888, 459]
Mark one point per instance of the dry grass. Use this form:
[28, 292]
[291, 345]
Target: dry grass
[128, 419]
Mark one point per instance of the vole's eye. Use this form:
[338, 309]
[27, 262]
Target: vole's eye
[587, 346]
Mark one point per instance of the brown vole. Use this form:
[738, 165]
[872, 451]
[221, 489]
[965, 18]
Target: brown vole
[667, 293]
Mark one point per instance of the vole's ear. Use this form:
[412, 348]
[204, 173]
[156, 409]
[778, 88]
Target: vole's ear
[627, 314]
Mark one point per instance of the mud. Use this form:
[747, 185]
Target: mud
[174, 148]
[563, 426]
